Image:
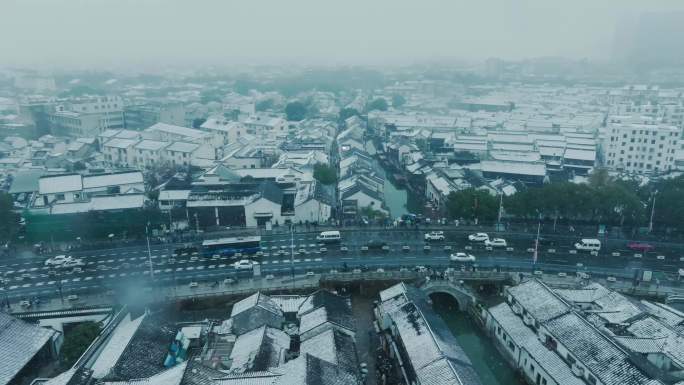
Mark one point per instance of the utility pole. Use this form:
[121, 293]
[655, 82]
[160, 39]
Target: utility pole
[149, 251]
[292, 253]
[500, 207]
[650, 224]
[536, 243]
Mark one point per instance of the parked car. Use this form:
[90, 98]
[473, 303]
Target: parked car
[57, 260]
[496, 242]
[462, 257]
[478, 237]
[244, 264]
[434, 236]
[640, 247]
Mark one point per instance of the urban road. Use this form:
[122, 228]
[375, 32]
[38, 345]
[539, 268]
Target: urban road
[115, 269]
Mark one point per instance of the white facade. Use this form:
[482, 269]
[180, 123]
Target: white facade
[641, 148]
[264, 210]
[119, 152]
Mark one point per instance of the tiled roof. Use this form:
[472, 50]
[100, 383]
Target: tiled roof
[333, 346]
[171, 376]
[590, 347]
[145, 354]
[526, 339]
[19, 343]
[259, 350]
[427, 340]
[118, 341]
[538, 300]
[257, 299]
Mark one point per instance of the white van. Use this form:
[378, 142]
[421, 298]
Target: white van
[588, 244]
[329, 237]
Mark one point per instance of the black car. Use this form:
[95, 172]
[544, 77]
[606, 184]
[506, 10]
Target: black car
[543, 241]
[375, 244]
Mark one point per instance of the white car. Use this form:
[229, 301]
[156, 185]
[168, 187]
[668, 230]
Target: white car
[57, 260]
[434, 236]
[478, 237]
[496, 242]
[72, 263]
[244, 264]
[462, 257]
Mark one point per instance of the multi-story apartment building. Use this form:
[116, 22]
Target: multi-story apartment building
[141, 116]
[87, 116]
[647, 147]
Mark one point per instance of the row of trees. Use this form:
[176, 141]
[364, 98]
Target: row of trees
[602, 200]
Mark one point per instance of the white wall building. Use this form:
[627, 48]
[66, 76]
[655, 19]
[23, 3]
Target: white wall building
[641, 148]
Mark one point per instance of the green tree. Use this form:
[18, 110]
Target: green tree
[398, 101]
[77, 341]
[347, 113]
[295, 111]
[472, 204]
[378, 104]
[325, 174]
[9, 220]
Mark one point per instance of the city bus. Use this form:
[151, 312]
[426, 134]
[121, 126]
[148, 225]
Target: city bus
[230, 246]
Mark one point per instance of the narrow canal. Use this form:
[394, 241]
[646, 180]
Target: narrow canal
[487, 361]
[397, 199]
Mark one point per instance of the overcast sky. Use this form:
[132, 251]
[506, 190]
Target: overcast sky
[166, 32]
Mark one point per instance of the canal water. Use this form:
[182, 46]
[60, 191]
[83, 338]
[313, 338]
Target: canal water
[397, 199]
[487, 361]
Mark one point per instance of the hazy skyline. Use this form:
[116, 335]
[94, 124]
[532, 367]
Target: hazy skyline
[123, 33]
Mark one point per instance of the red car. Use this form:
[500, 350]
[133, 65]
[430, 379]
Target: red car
[640, 247]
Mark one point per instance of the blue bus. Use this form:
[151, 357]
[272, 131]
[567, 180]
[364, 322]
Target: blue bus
[230, 246]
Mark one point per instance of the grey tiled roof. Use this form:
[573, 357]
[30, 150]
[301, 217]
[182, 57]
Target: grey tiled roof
[333, 346]
[427, 341]
[590, 347]
[19, 343]
[526, 339]
[145, 354]
[540, 301]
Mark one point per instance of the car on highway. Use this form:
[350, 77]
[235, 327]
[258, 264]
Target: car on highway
[434, 236]
[329, 237]
[375, 244]
[244, 264]
[71, 263]
[57, 260]
[543, 241]
[496, 242]
[462, 257]
[640, 247]
[588, 244]
[478, 237]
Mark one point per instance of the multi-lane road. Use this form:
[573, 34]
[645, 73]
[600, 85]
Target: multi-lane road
[108, 270]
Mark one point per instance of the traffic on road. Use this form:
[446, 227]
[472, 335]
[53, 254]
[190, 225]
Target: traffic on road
[235, 258]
